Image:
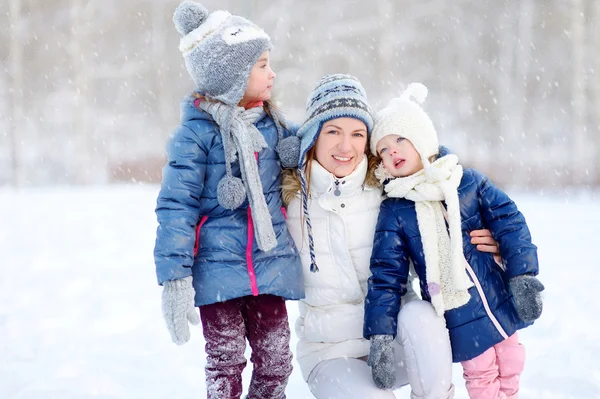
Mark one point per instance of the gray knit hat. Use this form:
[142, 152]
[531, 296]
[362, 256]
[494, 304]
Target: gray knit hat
[335, 96]
[219, 50]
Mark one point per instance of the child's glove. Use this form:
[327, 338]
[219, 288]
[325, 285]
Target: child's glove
[526, 290]
[382, 361]
[178, 308]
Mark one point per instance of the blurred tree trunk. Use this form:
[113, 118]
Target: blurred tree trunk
[386, 85]
[595, 49]
[519, 140]
[83, 157]
[159, 41]
[579, 142]
[16, 93]
[515, 59]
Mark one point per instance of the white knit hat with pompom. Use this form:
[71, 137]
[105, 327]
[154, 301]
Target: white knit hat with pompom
[404, 116]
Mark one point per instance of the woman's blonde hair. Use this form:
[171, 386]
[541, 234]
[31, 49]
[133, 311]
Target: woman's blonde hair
[290, 178]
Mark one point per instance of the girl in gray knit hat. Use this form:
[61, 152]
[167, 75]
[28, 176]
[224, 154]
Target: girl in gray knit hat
[222, 244]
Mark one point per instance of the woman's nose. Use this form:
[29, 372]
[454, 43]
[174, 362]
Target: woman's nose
[345, 144]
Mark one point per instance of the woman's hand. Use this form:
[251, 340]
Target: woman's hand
[485, 243]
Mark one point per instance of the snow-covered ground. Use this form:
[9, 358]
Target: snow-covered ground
[80, 308]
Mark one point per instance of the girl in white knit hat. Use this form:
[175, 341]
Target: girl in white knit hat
[432, 204]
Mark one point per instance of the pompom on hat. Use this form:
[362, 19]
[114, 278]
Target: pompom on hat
[404, 116]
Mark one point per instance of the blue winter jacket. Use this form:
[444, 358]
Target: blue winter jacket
[226, 262]
[489, 317]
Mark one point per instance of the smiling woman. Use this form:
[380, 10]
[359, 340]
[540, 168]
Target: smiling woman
[333, 202]
[341, 145]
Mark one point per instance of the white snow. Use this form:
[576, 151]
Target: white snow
[80, 308]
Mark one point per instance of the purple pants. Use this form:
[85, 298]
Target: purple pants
[263, 321]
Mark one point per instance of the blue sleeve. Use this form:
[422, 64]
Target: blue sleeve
[508, 227]
[178, 206]
[389, 268]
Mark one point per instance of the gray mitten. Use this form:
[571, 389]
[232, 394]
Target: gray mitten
[178, 308]
[526, 290]
[382, 361]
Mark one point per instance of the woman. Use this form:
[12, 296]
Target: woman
[333, 202]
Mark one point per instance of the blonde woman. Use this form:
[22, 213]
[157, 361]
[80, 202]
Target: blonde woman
[332, 207]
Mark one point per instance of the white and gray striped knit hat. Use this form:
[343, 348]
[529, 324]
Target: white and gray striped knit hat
[335, 96]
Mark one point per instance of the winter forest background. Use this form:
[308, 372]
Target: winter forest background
[91, 92]
[91, 88]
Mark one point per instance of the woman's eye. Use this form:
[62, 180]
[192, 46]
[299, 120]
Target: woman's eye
[359, 135]
[332, 132]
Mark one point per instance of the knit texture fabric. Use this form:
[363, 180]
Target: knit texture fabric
[404, 117]
[526, 290]
[178, 308]
[241, 139]
[335, 96]
[219, 50]
[381, 359]
[447, 279]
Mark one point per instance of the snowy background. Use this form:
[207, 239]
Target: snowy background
[91, 91]
[80, 310]
[92, 88]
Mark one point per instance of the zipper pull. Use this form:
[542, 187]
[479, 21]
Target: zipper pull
[337, 191]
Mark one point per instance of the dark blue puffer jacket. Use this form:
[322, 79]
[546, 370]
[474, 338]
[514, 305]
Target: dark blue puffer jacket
[489, 317]
[228, 263]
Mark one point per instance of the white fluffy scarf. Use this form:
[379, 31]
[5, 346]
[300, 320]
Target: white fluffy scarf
[447, 280]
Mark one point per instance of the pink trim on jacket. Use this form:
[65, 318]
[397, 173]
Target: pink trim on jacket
[197, 243]
[251, 273]
[249, 245]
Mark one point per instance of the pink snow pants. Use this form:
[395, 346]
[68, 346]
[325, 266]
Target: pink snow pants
[495, 373]
[226, 325]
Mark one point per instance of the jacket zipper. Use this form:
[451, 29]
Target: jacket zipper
[479, 288]
[484, 301]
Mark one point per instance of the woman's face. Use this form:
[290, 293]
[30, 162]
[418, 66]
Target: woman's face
[341, 145]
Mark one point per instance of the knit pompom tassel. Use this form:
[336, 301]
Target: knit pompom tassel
[289, 151]
[231, 192]
[311, 244]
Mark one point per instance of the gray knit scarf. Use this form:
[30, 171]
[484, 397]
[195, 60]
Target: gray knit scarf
[241, 139]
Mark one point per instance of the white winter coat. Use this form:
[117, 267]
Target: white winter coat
[331, 316]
